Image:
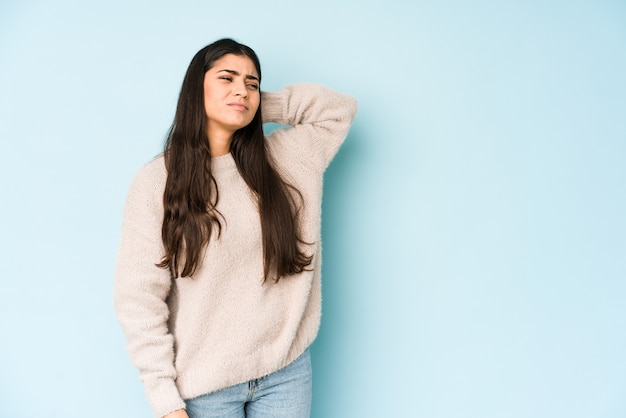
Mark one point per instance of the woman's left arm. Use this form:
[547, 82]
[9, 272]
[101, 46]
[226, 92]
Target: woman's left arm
[320, 119]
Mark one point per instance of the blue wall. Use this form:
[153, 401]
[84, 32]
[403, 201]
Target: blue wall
[474, 224]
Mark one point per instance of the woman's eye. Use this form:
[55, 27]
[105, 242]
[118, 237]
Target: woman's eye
[253, 86]
[227, 78]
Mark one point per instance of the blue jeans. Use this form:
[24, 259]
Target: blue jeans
[285, 393]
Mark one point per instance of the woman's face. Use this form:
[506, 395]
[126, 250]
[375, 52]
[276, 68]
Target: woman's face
[231, 95]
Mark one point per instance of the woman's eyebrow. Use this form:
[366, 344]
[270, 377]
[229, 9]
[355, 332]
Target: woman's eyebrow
[233, 72]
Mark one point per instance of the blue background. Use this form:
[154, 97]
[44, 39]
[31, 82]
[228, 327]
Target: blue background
[474, 221]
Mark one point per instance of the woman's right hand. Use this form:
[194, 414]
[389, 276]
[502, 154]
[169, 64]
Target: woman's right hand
[181, 413]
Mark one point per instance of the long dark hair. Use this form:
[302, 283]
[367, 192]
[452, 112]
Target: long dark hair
[191, 194]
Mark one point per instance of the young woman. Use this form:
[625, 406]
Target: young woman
[217, 283]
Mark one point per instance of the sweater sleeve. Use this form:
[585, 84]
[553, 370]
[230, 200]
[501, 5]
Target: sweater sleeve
[319, 119]
[140, 292]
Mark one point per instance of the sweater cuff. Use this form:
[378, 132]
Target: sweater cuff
[163, 396]
[273, 107]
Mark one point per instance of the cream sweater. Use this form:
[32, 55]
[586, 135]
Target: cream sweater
[223, 326]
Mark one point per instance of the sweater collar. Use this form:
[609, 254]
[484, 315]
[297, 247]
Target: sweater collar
[222, 162]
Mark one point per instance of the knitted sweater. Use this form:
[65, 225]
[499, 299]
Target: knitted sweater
[194, 335]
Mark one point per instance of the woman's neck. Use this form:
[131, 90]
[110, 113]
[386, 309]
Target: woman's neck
[219, 142]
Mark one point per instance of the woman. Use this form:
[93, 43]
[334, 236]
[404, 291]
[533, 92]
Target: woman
[217, 282]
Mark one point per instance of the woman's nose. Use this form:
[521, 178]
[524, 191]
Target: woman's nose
[240, 90]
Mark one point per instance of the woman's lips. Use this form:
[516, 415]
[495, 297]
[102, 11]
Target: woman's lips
[238, 106]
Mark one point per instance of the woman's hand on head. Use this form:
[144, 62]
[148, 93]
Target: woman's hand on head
[181, 413]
